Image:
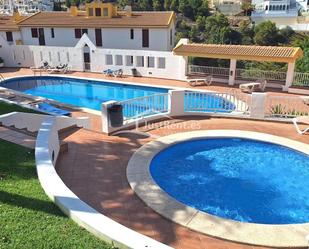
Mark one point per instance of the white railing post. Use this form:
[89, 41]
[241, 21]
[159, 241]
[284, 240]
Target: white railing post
[176, 102]
[232, 74]
[258, 101]
[105, 118]
[289, 76]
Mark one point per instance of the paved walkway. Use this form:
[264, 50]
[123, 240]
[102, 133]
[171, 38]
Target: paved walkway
[17, 137]
[95, 170]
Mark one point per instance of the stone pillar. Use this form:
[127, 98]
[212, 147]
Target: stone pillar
[176, 102]
[232, 75]
[289, 76]
[105, 118]
[257, 109]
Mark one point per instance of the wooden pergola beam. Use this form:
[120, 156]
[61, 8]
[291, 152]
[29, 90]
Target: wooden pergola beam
[240, 52]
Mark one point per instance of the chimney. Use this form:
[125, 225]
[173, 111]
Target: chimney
[128, 10]
[16, 16]
[73, 10]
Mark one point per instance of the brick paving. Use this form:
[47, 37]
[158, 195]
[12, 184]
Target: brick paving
[95, 169]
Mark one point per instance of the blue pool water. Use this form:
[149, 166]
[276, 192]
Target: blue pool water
[90, 94]
[78, 92]
[238, 179]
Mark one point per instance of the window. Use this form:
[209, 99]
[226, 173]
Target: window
[119, 60]
[131, 34]
[151, 61]
[145, 38]
[9, 36]
[270, 7]
[129, 60]
[266, 7]
[105, 11]
[52, 31]
[140, 61]
[171, 37]
[98, 37]
[90, 12]
[98, 12]
[78, 33]
[34, 33]
[109, 59]
[161, 62]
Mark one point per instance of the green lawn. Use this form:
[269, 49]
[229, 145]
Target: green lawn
[6, 108]
[28, 219]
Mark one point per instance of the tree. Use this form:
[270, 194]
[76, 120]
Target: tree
[302, 65]
[185, 8]
[286, 34]
[156, 5]
[247, 32]
[174, 5]
[202, 9]
[167, 4]
[266, 33]
[143, 5]
[218, 31]
[201, 22]
[194, 34]
[247, 7]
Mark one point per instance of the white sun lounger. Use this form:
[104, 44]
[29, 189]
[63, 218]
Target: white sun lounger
[302, 119]
[250, 87]
[200, 81]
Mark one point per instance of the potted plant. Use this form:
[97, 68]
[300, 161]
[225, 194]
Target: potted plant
[1, 62]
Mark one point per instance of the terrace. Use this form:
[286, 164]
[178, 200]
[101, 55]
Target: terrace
[94, 165]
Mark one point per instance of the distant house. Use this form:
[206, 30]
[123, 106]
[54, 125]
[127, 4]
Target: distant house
[228, 7]
[25, 6]
[104, 24]
[293, 13]
[9, 30]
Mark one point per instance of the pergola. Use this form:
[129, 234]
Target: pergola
[287, 55]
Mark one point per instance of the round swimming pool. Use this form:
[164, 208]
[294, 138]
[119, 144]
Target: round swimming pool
[236, 178]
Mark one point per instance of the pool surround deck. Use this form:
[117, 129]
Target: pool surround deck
[141, 181]
[94, 168]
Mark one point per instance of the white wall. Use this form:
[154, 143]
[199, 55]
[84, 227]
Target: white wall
[174, 65]
[16, 36]
[34, 56]
[117, 38]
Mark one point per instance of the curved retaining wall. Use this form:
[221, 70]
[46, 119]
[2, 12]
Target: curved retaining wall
[46, 153]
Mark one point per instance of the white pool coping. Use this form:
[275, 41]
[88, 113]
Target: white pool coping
[141, 181]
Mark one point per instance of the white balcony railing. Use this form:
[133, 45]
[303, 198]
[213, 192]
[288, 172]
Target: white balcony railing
[300, 79]
[145, 106]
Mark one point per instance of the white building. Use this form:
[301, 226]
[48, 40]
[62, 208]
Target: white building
[100, 37]
[25, 6]
[293, 13]
[104, 24]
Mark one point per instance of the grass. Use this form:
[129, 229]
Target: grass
[6, 108]
[28, 219]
